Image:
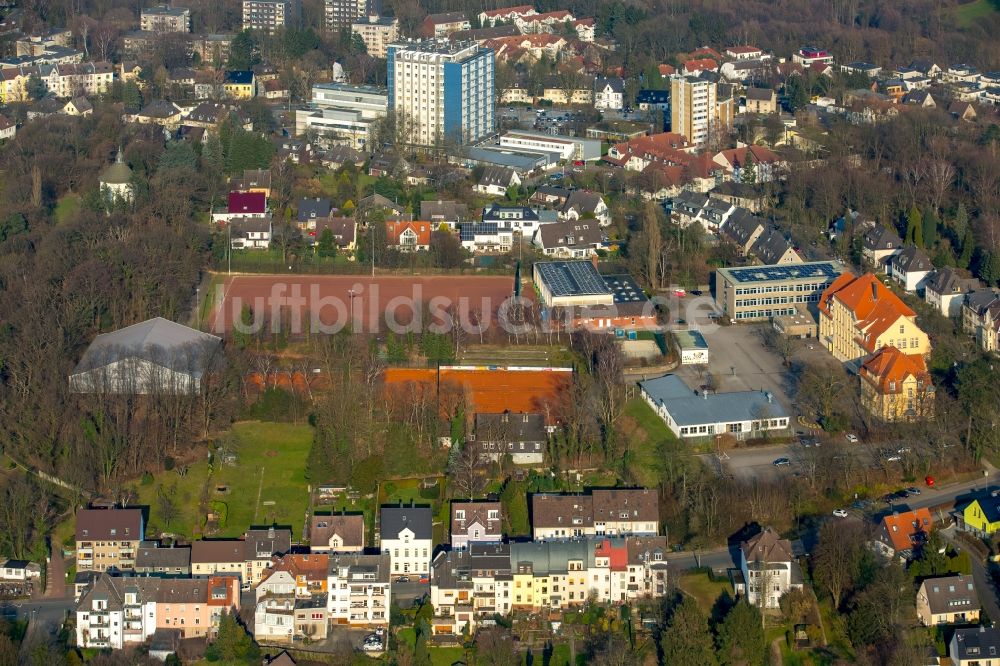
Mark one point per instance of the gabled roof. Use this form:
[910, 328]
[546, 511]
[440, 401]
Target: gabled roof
[311, 208]
[511, 427]
[976, 645]
[159, 340]
[771, 246]
[903, 529]
[767, 547]
[445, 210]
[615, 83]
[313, 566]
[218, 551]
[394, 519]
[736, 157]
[497, 175]
[881, 238]
[948, 280]
[476, 512]
[350, 527]
[874, 306]
[109, 525]
[150, 557]
[950, 594]
[583, 201]
[760, 94]
[247, 203]
[344, 229]
[888, 368]
[239, 77]
[912, 260]
[396, 228]
[584, 233]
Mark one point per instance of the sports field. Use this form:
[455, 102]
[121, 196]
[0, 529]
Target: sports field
[488, 390]
[325, 303]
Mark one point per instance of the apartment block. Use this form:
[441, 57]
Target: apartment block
[360, 590]
[340, 14]
[377, 32]
[697, 108]
[443, 89]
[271, 15]
[107, 538]
[163, 19]
[614, 512]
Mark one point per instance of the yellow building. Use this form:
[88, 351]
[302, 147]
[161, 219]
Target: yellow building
[240, 84]
[896, 386]
[859, 316]
[14, 83]
[982, 516]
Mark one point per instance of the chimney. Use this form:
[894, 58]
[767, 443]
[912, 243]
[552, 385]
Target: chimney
[593, 260]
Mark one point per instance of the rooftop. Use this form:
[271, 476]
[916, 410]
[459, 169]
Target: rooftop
[827, 270]
[688, 408]
[572, 278]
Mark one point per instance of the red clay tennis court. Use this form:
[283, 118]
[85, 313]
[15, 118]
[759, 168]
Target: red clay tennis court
[333, 300]
[490, 390]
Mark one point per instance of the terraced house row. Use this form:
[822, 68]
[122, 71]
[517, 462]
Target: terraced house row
[61, 80]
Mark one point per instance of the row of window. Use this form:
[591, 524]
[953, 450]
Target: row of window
[764, 314]
[780, 289]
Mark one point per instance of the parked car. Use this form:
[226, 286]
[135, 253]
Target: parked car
[372, 647]
[403, 579]
[913, 490]
[840, 513]
[852, 438]
[893, 457]
[780, 462]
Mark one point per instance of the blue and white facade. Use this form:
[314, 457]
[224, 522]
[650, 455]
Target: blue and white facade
[442, 90]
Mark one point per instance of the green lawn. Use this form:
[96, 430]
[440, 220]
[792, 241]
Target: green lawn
[971, 12]
[647, 435]
[704, 590]
[268, 482]
[67, 207]
[279, 449]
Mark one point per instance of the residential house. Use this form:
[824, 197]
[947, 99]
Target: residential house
[524, 437]
[496, 180]
[896, 386]
[609, 93]
[78, 106]
[337, 533]
[193, 606]
[900, 533]
[485, 237]
[108, 538]
[408, 236]
[570, 239]
[243, 205]
[344, 230]
[239, 84]
[116, 612]
[809, 55]
[584, 204]
[379, 202]
[878, 244]
[405, 534]
[475, 522]
[772, 248]
[768, 568]
[945, 290]
[311, 209]
[981, 318]
[859, 67]
[981, 516]
[926, 67]
[860, 315]
[919, 98]
[761, 100]
[292, 599]
[470, 584]
[262, 544]
[442, 25]
[710, 212]
[448, 213]
[250, 233]
[295, 574]
[743, 228]
[20, 570]
[948, 600]
[159, 112]
[765, 164]
[910, 268]
[153, 560]
[745, 52]
[600, 512]
[975, 646]
[8, 129]
[219, 557]
[335, 157]
[962, 111]
[652, 100]
[360, 589]
[491, 17]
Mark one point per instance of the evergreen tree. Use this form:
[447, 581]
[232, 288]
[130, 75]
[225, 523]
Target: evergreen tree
[233, 644]
[326, 246]
[741, 637]
[914, 227]
[748, 172]
[36, 87]
[930, 225]
[178, 155]
[132, 96]
[989, 267]
[243, 52]
[968, 245]
[960, 224]
[687, 640]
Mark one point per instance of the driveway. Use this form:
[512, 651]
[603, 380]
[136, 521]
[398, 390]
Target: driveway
[984, 582]
[752, 463]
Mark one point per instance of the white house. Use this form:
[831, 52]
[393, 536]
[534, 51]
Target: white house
[274, 618]
[20, 570]
[740, 414]
[609, 93]
[496, 181]
[945, 290]
[406, 536]
[910, 268]
[486, 237]
[116, 612]
[360, 589]
[250, 233]
[584, 203]
[975, 646]
[768, 568]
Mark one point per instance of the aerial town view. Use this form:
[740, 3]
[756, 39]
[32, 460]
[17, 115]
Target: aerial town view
[441, 332]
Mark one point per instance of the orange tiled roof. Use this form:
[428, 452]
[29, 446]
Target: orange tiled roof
[312, 566]
[891, 365]
[901, 528]
[395, 228]
[701, 64]
[666, 70]
[761, 155]
[874, 306]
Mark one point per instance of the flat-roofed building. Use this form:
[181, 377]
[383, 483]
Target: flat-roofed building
[164, 19]
[692, 347]
[571, 283]
[377, 32]
[756, 293]
[567, 147]
[689, 415]
[342, 114]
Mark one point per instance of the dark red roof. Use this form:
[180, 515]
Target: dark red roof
[247, 203]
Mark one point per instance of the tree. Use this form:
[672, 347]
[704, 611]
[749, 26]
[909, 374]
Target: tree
[654, 243]
[327, 245]
[465, 470]
[244, 52]
[968, 246]
[914, 227]
[748, 170]
[837, 558]
[36, 88]
[741, 637]
[233, 643]
[687, 639]
[179, 155]
[930, 224]
[495, 647]
[131, 96]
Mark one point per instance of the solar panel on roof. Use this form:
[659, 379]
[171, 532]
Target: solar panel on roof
[823, 269]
